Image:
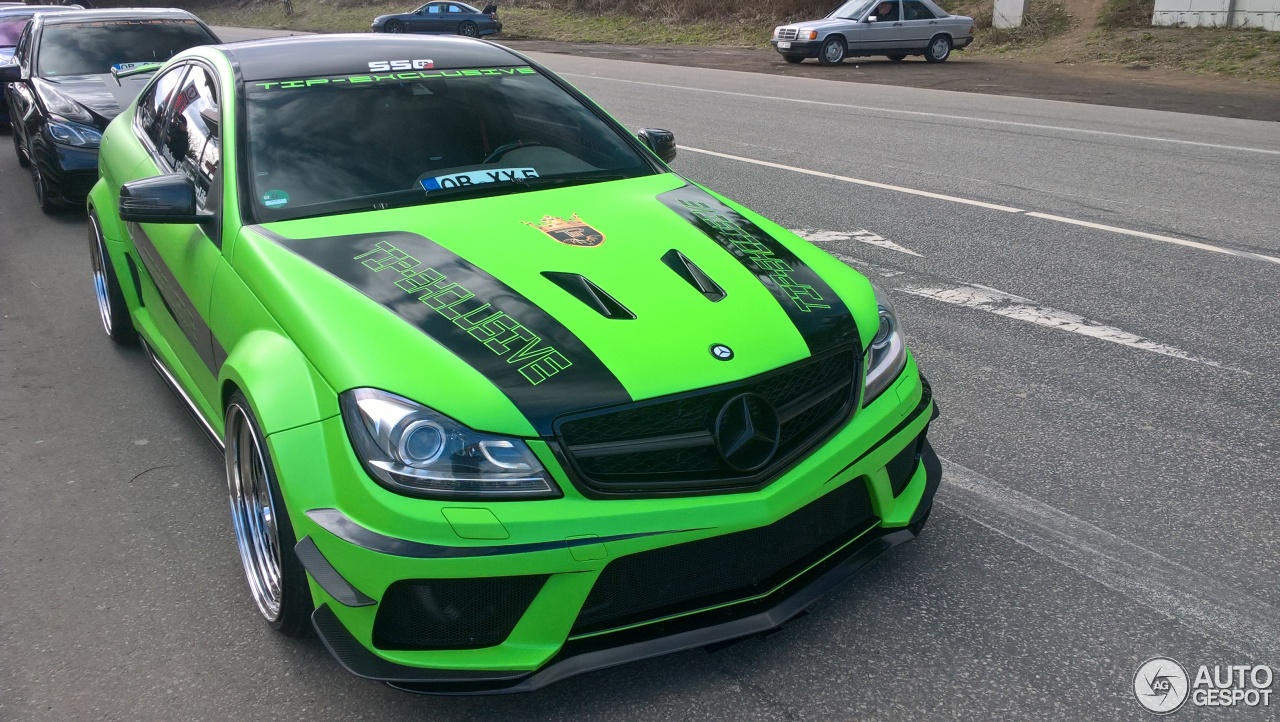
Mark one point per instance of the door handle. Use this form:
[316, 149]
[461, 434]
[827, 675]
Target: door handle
[897, 25]
[933, 22]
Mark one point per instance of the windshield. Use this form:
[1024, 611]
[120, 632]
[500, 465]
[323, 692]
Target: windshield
[852, 10]
[347, 143]
[91, 48]
[11, 30]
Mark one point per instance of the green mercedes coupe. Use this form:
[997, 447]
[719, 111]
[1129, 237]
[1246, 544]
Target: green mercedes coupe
[503, 398]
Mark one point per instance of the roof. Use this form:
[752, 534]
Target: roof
[8, 11]
[310, 56]
[106, 14]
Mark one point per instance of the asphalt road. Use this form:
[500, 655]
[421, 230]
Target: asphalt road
[1109, 429]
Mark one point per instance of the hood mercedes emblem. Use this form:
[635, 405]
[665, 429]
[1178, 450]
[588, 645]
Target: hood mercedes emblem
[721, 352]
[747, 432]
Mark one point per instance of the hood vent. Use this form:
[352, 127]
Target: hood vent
[693, 275]
[589, 293]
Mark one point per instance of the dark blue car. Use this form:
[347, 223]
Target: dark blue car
[453, 18]
[13, 18]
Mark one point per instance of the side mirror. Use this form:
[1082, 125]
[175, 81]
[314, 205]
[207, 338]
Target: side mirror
[661, 142]
[162, 199]
[10, 73]
[871, 18]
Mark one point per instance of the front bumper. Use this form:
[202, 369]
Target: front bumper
[798, 48]
[69, 172]
[356, 557]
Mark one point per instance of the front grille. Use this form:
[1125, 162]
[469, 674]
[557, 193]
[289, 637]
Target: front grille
[788, 33]
[667, 444]
[688, 577]
[452, 613]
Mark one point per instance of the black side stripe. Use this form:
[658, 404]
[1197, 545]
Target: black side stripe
[815, 309]
[177, 302]
[539, 364]
[338, 524]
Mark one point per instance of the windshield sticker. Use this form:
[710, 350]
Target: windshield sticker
[275, 199]
[476, 177]
[573, 232]
[127, 66]
[382, 66]
[392, 77]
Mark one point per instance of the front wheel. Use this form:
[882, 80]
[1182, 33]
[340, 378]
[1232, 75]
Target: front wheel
[394, 26]
[832, 52]
[897, 58]
[44, 198]
[793, 59]
[106, 289]
[264, 536]
[19, 150]
[469, 29]
[939, 49]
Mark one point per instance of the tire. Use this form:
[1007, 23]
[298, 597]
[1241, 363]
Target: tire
[19, 151]
[43, 197]
[833, 51]
[394, 26]
[264, 535]
[106, 288]
[793, 59]
[897, 58]
[938, 50]
[468, 29]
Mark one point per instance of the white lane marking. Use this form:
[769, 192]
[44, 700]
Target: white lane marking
[814, 235]
[859, 181]
[1205, 605]
[1156, 237]
[993, 206]
[942, 116]
[998, 302]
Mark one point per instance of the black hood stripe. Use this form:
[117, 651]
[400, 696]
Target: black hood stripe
[539, 364]
[815, 309]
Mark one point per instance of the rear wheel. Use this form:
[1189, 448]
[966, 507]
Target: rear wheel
[832, 52]
[264, 535]
[394, 26]
[939, 49]
[106, 289]
[897, 58]
[793, 59]
[469, 29]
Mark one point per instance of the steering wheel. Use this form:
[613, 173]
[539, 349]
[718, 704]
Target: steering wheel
[504, 149]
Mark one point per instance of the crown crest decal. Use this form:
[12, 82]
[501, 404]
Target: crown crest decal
[571, 232]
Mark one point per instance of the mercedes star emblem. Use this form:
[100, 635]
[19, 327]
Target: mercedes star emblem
[721, 352]
[747, 432]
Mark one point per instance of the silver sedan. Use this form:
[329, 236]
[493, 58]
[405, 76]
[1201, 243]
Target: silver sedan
[896, 28]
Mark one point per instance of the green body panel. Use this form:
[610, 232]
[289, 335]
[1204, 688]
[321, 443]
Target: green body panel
[292, 336]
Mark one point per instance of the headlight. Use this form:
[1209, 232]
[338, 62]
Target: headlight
[413, 450]
[777, 30]
[77, 134]
[888, 352]
[808, 33]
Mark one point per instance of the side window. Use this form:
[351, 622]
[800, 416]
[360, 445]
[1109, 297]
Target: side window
[24, 46]
[194, 145]
[434, 9]
[153, 107]
[916, 10]
[455, 9]
[887, 11]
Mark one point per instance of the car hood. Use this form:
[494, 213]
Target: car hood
[99, 95]
[821, 24]
[507, 312]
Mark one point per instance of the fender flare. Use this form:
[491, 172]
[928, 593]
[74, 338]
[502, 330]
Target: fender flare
[283, 388]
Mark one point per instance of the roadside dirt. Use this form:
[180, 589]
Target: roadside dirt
[1149, 88]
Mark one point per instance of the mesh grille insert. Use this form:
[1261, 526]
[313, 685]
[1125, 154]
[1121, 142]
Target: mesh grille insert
[687, 577]
[453, 613]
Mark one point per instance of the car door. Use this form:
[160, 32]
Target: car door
[433, 20]
[885, 33]
[918, 24]
[179, 129]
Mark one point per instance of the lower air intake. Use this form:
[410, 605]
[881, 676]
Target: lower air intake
[453, 613]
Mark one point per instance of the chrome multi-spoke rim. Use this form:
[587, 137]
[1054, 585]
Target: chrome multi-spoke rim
[253, 514]
[940, 49]
[834, 52]
[99, 275]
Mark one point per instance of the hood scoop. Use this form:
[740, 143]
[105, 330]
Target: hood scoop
[693, 275]
[589, 293]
